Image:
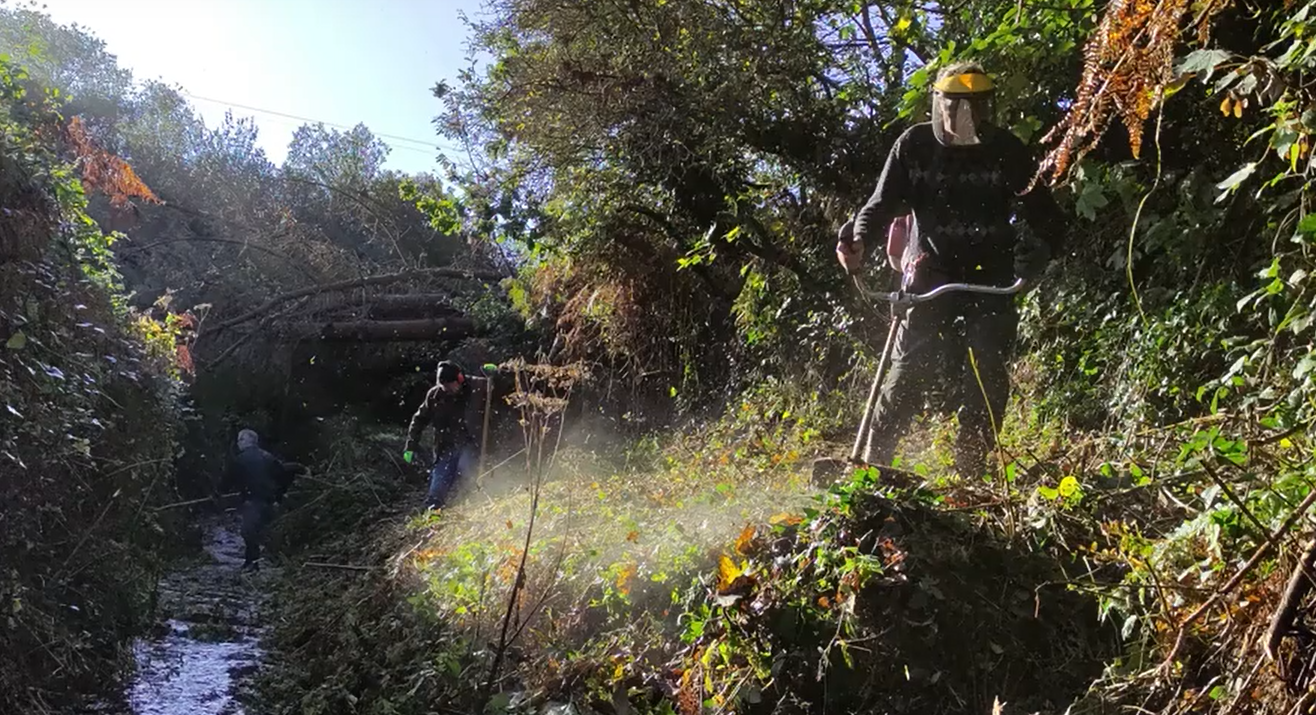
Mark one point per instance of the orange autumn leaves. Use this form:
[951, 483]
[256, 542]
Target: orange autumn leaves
[624, 575]
[733, 577]
[730, 575]
[1233, 106]
[106, 172]
[745, 540]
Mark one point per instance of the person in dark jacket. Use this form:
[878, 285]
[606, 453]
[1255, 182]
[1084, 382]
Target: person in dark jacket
[263, 480]
[449, 408]
[964, 181]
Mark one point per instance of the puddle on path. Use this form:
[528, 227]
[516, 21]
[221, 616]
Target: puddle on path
[208, 642]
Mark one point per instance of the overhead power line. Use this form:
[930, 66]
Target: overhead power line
[427, 144]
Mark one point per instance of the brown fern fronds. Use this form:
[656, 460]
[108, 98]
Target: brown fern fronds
[183, 357]
[105, 172]
[689, 696]
[1127, 64]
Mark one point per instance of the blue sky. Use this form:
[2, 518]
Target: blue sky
[336, 61]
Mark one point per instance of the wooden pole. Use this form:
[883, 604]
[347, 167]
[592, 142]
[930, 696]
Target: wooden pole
[193, 502]
[484, 433]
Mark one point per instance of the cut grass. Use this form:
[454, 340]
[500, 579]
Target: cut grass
[617, 537]
[604, 539]
[618, 543]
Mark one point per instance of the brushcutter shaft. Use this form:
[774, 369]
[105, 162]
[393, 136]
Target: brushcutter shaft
[900, 302]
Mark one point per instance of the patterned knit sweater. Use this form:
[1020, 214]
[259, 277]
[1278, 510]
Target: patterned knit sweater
[964, 200]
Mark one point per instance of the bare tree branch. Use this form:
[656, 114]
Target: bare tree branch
[232, 242]
[282, 298]
[369, 331]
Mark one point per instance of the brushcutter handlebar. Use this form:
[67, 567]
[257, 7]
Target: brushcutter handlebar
[901, 297]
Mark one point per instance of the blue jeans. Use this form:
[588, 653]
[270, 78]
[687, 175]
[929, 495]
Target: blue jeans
[451, 464]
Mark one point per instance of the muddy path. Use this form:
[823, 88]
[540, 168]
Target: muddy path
[206, 644]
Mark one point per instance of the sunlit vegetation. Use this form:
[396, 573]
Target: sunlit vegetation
[641, 234]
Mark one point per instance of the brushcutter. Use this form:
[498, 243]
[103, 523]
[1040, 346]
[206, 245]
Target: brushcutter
[827, 469]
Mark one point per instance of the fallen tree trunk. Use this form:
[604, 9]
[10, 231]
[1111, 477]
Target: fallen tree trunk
[372, 331]
[282, 298]
[416, 313]
[423, 305]
[400, 310]
[387, 307]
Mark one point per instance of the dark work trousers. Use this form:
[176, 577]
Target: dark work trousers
[931, 351]
[256, 517]
[451, 465]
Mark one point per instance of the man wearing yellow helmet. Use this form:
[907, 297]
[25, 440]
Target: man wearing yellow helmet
[962, 179]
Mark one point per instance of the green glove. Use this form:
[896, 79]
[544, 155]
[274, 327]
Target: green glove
[408, 456]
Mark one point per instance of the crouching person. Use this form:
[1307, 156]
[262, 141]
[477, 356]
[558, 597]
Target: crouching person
[262, 480]
[450, 407]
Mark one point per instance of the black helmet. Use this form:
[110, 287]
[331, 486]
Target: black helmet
[449, 371]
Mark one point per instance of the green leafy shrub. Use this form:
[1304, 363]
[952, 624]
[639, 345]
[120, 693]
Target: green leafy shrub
[88, 433]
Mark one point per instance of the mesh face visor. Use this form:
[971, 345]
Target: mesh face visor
[961, 105]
